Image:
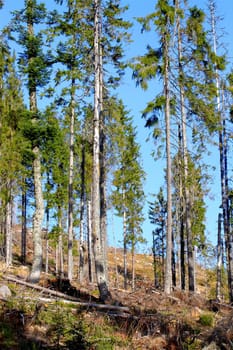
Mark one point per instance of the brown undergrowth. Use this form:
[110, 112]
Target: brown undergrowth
[155, 320]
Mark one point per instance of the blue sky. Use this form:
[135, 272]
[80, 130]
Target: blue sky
[135, 100]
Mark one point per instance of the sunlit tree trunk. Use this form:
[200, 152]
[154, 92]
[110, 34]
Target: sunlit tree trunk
[82, 206]
[168, 267]
[37, 218]
[38, 193]
[60, 250]
[71, 179]
[103, 195]
[96, 234]
[191, 261]
[47, 242]
[133, 267]
[219, 258]
[89, 239]
[124, 248]
[178, 209]
[8, 231]
[24, 224]
[173, 261]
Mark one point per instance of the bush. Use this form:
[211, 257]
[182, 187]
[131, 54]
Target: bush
[64, 327]
[206, 320]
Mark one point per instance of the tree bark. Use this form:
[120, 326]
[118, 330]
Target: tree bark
[103, 195]
[47, 241]
[38, 193]
[96, 234]
[191, 261]
[82, 206]
[133, 268]
[89, 239]
[71, 176]
[8, 230]
[219, 259]
[168, 267]
[37, 219]
[223, 165]
[182, 255]
[24, 225]
[60, 248]
[173, 261]
[124, 249]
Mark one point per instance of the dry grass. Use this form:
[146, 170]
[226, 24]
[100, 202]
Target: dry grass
[157, 321]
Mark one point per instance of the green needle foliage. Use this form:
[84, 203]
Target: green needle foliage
[128, 194]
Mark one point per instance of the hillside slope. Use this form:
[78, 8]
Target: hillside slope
[145, 318]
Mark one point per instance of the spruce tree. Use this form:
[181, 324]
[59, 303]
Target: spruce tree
[33, 64]
[156, 62]
[12, 145]
[55, 158]
[197, 100]
[73, 52]
[128, 194]
[186, 96]
[109, 34]
[95, 200]
[223, 155]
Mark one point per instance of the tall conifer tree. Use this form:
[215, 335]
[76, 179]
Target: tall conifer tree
[157, 63]
[96, 233]
[223, 154]
[128, 194]
[33, 64]
[12, 144]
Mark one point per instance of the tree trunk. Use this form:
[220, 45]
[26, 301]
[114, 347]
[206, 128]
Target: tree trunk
[168, 268]
[133, 267]
[223, 165]
[191, 262]
[71, 175]
[82, 206]
[56, 260]
[226, 209]
[182, 255]
[89, 239]
[173, 261]
[8, 230]
[178, 220]
[219, 259]
[24, 225]
[37, 219]
[125, 250]
[103, 195]
[163, 257]
[47, 242]
[96, 234]
[60, 250]
[38, 193]
[180, 214]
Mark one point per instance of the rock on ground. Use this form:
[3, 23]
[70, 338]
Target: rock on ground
[211, 346]
[5, 292]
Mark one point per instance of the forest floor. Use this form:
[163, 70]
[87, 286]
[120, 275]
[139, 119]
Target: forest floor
[143, 318]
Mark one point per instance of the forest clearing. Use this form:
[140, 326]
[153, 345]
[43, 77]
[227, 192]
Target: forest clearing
[79, 269]
[55, 314]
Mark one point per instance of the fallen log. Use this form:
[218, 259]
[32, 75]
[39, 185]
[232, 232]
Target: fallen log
[67, 298]
[40, 288]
